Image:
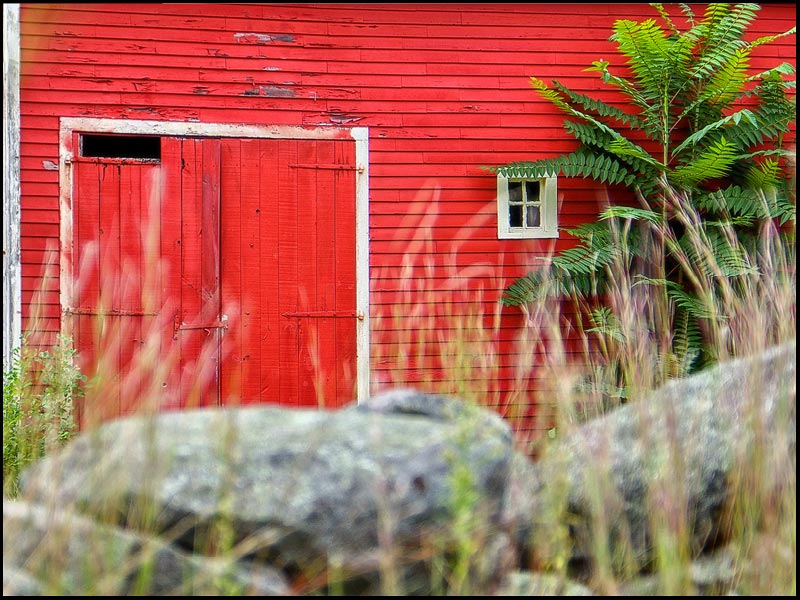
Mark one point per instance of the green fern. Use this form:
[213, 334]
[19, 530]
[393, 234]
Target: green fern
[581, 163]
[713, 162]
[716, 138]
[605, 323]
[598, 107]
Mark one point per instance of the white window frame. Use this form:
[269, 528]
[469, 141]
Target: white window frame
[548, 199]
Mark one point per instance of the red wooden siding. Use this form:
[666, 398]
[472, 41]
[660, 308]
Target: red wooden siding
[443, 89]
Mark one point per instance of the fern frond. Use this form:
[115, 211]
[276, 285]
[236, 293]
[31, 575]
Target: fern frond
[581, 163]
[588, 134]
[771, 122]
[632, 213]
[551, 95]
[729, 81]
[717, 255]
[640, 99]
[551, 282]
[605, 323]
[764, 175]
[583, 260]
[688, 13]
[768, 39]
[581, 270]
[722, 30]
[647, 48]
[713, 163]
[599, 107]
[737, 118]
[624, 148]
[667, 19]
[753, 204]
[556, 98]
[524, 290]
[689, 302]
[774, 72]
[687, 343]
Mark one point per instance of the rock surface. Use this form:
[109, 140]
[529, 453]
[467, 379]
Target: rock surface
[677, 451]
[75, 555]
[301, 489]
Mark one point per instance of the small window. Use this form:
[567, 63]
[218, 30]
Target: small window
[526, 208]
[121, 146]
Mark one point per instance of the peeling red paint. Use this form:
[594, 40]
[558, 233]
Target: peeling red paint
[270, 91]
[262, 38]
[341, 118]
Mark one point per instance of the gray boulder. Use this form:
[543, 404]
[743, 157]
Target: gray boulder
[48, 551]
[17, 582]
[526, 583]
[308, 491]
[674, 454]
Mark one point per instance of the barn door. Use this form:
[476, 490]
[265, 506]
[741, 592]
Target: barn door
[222, 271]
[289, 271]
[144, 305]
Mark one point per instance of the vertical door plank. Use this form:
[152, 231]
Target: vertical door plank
[231, 270]
[272, 324]
[191, 340]
[151, 361]
[287, 201]
[85, 273]
[344, 191]
[250, 252]
[209, 276]
[108, 333]
[326, 275]
[307, 272]
[170, 273]
[130, 292]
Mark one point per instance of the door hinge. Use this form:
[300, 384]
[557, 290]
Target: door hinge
[328, 167]
[107, 313]
[180, 326]
[326, 314]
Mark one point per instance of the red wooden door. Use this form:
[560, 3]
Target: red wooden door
[224, 273]
[144, 305]
[289, 271]
[107, 313]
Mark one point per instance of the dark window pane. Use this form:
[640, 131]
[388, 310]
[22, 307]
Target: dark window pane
[532, 191]
[533, 216]
[515, 215]
[119, 146]
[515, 191]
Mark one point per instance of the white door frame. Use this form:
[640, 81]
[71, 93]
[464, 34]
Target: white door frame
[360, 135]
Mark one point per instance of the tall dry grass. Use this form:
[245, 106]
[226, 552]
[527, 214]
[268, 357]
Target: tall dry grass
[440, 336]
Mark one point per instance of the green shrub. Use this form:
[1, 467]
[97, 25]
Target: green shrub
[39, 391]
[704, 145]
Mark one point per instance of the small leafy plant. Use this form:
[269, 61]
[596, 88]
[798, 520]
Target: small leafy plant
[39, 392]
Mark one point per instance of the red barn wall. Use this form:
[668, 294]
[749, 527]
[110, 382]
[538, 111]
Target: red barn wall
[442, 88]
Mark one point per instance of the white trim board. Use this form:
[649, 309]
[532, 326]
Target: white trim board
[360, 135]
[12, 265]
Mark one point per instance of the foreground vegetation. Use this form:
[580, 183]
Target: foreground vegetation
[759, 312]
